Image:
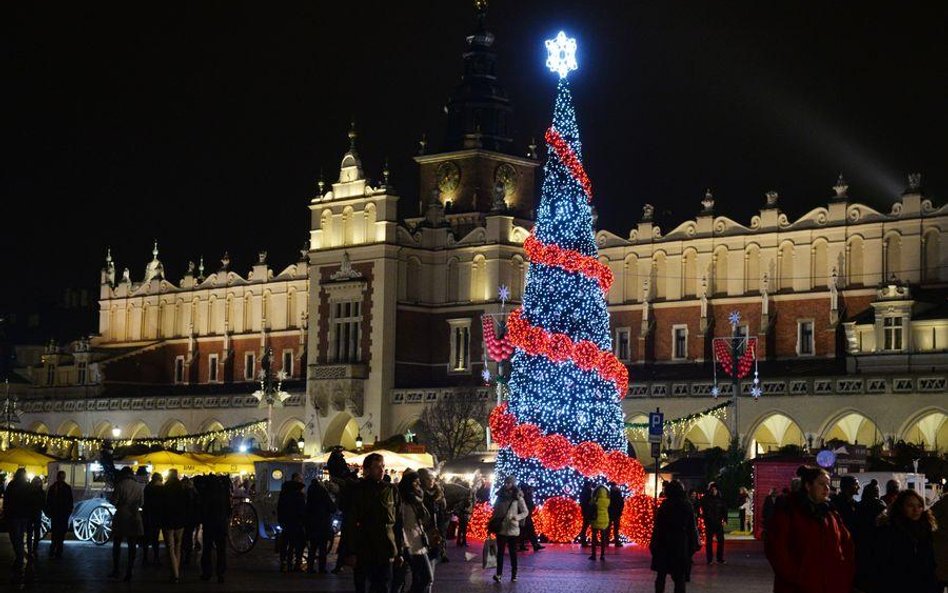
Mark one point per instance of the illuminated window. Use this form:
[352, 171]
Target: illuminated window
[679, 342]
[622, 350]
[179, 369]
[460, 345]
[345, 334]
[892, 333]
[805, 345]
[212, 375]
[250, 363]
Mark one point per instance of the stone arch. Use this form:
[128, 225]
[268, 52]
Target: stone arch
[931, 252]
[39, 427]
[639, 443]
[855, 268]
[102, 430]
[342, 430]
[851, 426]
[210, 425]
[408, 424]
[689, 272]
[479, 278]
[632, 289]
[173, 428]
[819, 263]
[891, 256]
[413, 281]
[348, 226]
[752, 268]
[720, 270]
[659, 275]
[928, 427]
[370, 215]
[517, 281]
[325, 224]
[452, 281]
[773, 430]
[785, 266]
[137, 429]
[292, 429]
[69, 428]
[708, 432]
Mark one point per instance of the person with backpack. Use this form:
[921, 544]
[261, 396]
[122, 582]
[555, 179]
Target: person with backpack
[509, 510]
[714, 512]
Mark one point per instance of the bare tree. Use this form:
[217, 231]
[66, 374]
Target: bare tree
[453, 426]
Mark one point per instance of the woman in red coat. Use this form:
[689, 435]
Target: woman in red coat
[807, 545]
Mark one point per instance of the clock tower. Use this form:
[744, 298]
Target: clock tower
[478, 170]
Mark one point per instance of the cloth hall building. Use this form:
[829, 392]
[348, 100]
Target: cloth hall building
[381, 315]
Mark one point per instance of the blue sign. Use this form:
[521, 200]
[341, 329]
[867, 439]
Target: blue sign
[656, 426]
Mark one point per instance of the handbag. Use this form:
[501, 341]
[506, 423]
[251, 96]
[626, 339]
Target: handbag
[489, 558]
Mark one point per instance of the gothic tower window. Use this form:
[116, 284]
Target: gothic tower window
[345, 331]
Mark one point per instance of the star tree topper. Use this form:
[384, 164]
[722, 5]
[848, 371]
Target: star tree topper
[562, 54]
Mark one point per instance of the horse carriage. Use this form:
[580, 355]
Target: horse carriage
[91, 517]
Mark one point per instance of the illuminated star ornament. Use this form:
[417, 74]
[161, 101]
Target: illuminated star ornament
[562, 54]
[734, 317]
[503, 292]
[485, 375]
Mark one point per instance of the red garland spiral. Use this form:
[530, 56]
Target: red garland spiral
[588, 458]
[568, 259]
[638, 517]
[526, 438]
[570, 160]
[555, 451]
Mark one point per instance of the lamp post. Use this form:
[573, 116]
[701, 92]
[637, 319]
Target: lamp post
[736, 362]
[271, 391]
[367, 424]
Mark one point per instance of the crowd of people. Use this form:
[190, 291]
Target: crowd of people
[395, 527]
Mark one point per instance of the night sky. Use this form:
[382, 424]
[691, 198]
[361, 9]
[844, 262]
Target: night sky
[205, 125]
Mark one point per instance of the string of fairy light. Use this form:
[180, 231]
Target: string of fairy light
[678, 427]
[32, 438]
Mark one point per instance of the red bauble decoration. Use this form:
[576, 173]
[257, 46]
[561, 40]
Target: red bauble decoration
[561, 348]
[502, 425]
[638, 517]
[480, 515]
[588, 458]
[526, 439]
[555, 451]
[586, 354]
[559, 519]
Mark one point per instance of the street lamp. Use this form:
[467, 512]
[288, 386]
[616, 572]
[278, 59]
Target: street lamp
[359, 442]
[301, 444]
[367, 424]
[271, 391]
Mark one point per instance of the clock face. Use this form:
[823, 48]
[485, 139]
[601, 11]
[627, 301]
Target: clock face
[277, 474]
[506, 175]
[448, 176]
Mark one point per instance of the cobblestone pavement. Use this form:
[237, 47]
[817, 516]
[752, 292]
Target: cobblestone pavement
[557, 568]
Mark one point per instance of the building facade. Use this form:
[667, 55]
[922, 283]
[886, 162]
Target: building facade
[382, 315]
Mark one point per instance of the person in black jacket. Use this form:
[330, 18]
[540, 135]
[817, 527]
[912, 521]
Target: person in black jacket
[714, 511]
[191, 521]
[319, 510]
[291, 514]
[58, 509]
[214, 510]
[845, 501]
[674, 538]
[585, 498]
[616, 506]
[904, 551]
[868, 511]
[16, 511]
[174, 506]
[151, 515]
[770, 504]
[529, 529]
[37, 499]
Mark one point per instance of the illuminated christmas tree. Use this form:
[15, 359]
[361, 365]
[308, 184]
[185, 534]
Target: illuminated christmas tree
[563, 422]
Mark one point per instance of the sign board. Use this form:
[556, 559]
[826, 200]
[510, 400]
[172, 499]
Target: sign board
[656, 450]
[656, 425]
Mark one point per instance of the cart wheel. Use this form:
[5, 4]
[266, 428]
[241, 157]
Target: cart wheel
[100, 525]
[45, 525]
[80, 527]
[243, 531]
